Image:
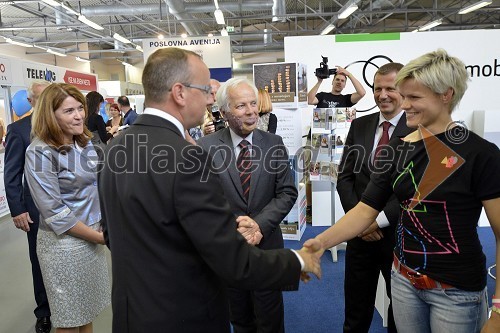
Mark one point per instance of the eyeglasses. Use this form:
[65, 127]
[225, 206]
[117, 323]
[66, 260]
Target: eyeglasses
[206, 89]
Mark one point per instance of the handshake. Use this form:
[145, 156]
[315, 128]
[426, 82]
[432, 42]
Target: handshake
[310, 253]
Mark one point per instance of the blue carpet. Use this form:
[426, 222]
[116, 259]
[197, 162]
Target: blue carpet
[318, 306]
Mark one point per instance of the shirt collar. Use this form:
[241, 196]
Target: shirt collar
[394, 121]
[237, 139]
[167, 116]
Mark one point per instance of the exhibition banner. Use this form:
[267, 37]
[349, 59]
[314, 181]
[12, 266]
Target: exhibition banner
[215, 51]
[20, 73]
[5, 71]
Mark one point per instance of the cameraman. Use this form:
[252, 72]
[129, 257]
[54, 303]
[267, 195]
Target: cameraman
[208, 126]
[335, 99]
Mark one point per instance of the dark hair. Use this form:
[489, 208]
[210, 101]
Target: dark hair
[123, 101]
[391, 67]
[93, 100]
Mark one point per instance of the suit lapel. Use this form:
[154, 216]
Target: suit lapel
[401, 129]
[370, 135]
[230, 163]
[260, 147]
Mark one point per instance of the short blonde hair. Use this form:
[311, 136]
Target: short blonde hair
[265, 104]
[438, 71]
[44, 122]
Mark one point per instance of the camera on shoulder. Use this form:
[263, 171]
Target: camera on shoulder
[218, 120]
[323, 72]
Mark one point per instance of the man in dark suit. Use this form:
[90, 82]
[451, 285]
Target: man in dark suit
[270, 196]
[21, 205]
[129, 114]
[172, 235]
[371, 252]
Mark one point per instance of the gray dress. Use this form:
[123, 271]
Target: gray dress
[75, 273]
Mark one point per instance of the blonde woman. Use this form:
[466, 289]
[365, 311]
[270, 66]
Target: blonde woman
[443, 176]
[267, 121]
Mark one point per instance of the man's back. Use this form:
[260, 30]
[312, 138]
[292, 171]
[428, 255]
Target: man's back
[172, 236]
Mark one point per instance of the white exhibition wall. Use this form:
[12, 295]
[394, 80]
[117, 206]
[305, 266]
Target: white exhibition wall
[361, 54]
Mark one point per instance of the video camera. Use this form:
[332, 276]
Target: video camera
[323, 72]
[218, 121]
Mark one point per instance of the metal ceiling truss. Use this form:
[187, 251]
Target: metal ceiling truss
[260, 25]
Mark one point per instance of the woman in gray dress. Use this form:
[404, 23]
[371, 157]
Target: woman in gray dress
[61, 173]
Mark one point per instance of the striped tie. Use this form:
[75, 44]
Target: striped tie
[244, 166]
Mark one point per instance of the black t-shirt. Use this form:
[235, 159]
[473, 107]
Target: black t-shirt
[95, 123]
[438, 236]
[329, 100]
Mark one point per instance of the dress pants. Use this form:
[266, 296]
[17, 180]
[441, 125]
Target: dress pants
[42, 304]
[364, 262]
[256, 311]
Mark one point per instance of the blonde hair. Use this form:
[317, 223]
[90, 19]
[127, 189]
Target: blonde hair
[265, 104]
[44, 122]
[438, 71]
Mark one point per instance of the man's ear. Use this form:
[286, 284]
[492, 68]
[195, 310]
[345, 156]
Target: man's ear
[178, 94]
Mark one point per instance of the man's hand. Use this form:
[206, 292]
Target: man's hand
[249, 229]
[22, 221]
[343, 71]
[373, 227]
[493, 324]
[372, 233]
[209, 128]
[374, 236]
[311, 253]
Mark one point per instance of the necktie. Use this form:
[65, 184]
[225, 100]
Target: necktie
[244, 166]
[384, 138]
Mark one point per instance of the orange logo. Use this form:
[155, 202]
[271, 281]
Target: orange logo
[434, 175]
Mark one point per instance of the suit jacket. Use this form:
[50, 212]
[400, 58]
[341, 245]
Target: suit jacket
[356, 166]
[18, 195]
[173, 237]
[272, 189]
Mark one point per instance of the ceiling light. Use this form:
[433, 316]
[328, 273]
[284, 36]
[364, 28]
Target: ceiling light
[184, 35]
[82, 59]
[160, 36]
[327, 30]
[52, 3]
[413, 31]
[348, 11]
[120, 38]
[56, 53]
[13, 42]
[210, 35]
[69, 10]
[431, 25]
[475, 6]
[88, 22]
[219, 16]
[223, 32]
[126, 63]
[139, 48]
